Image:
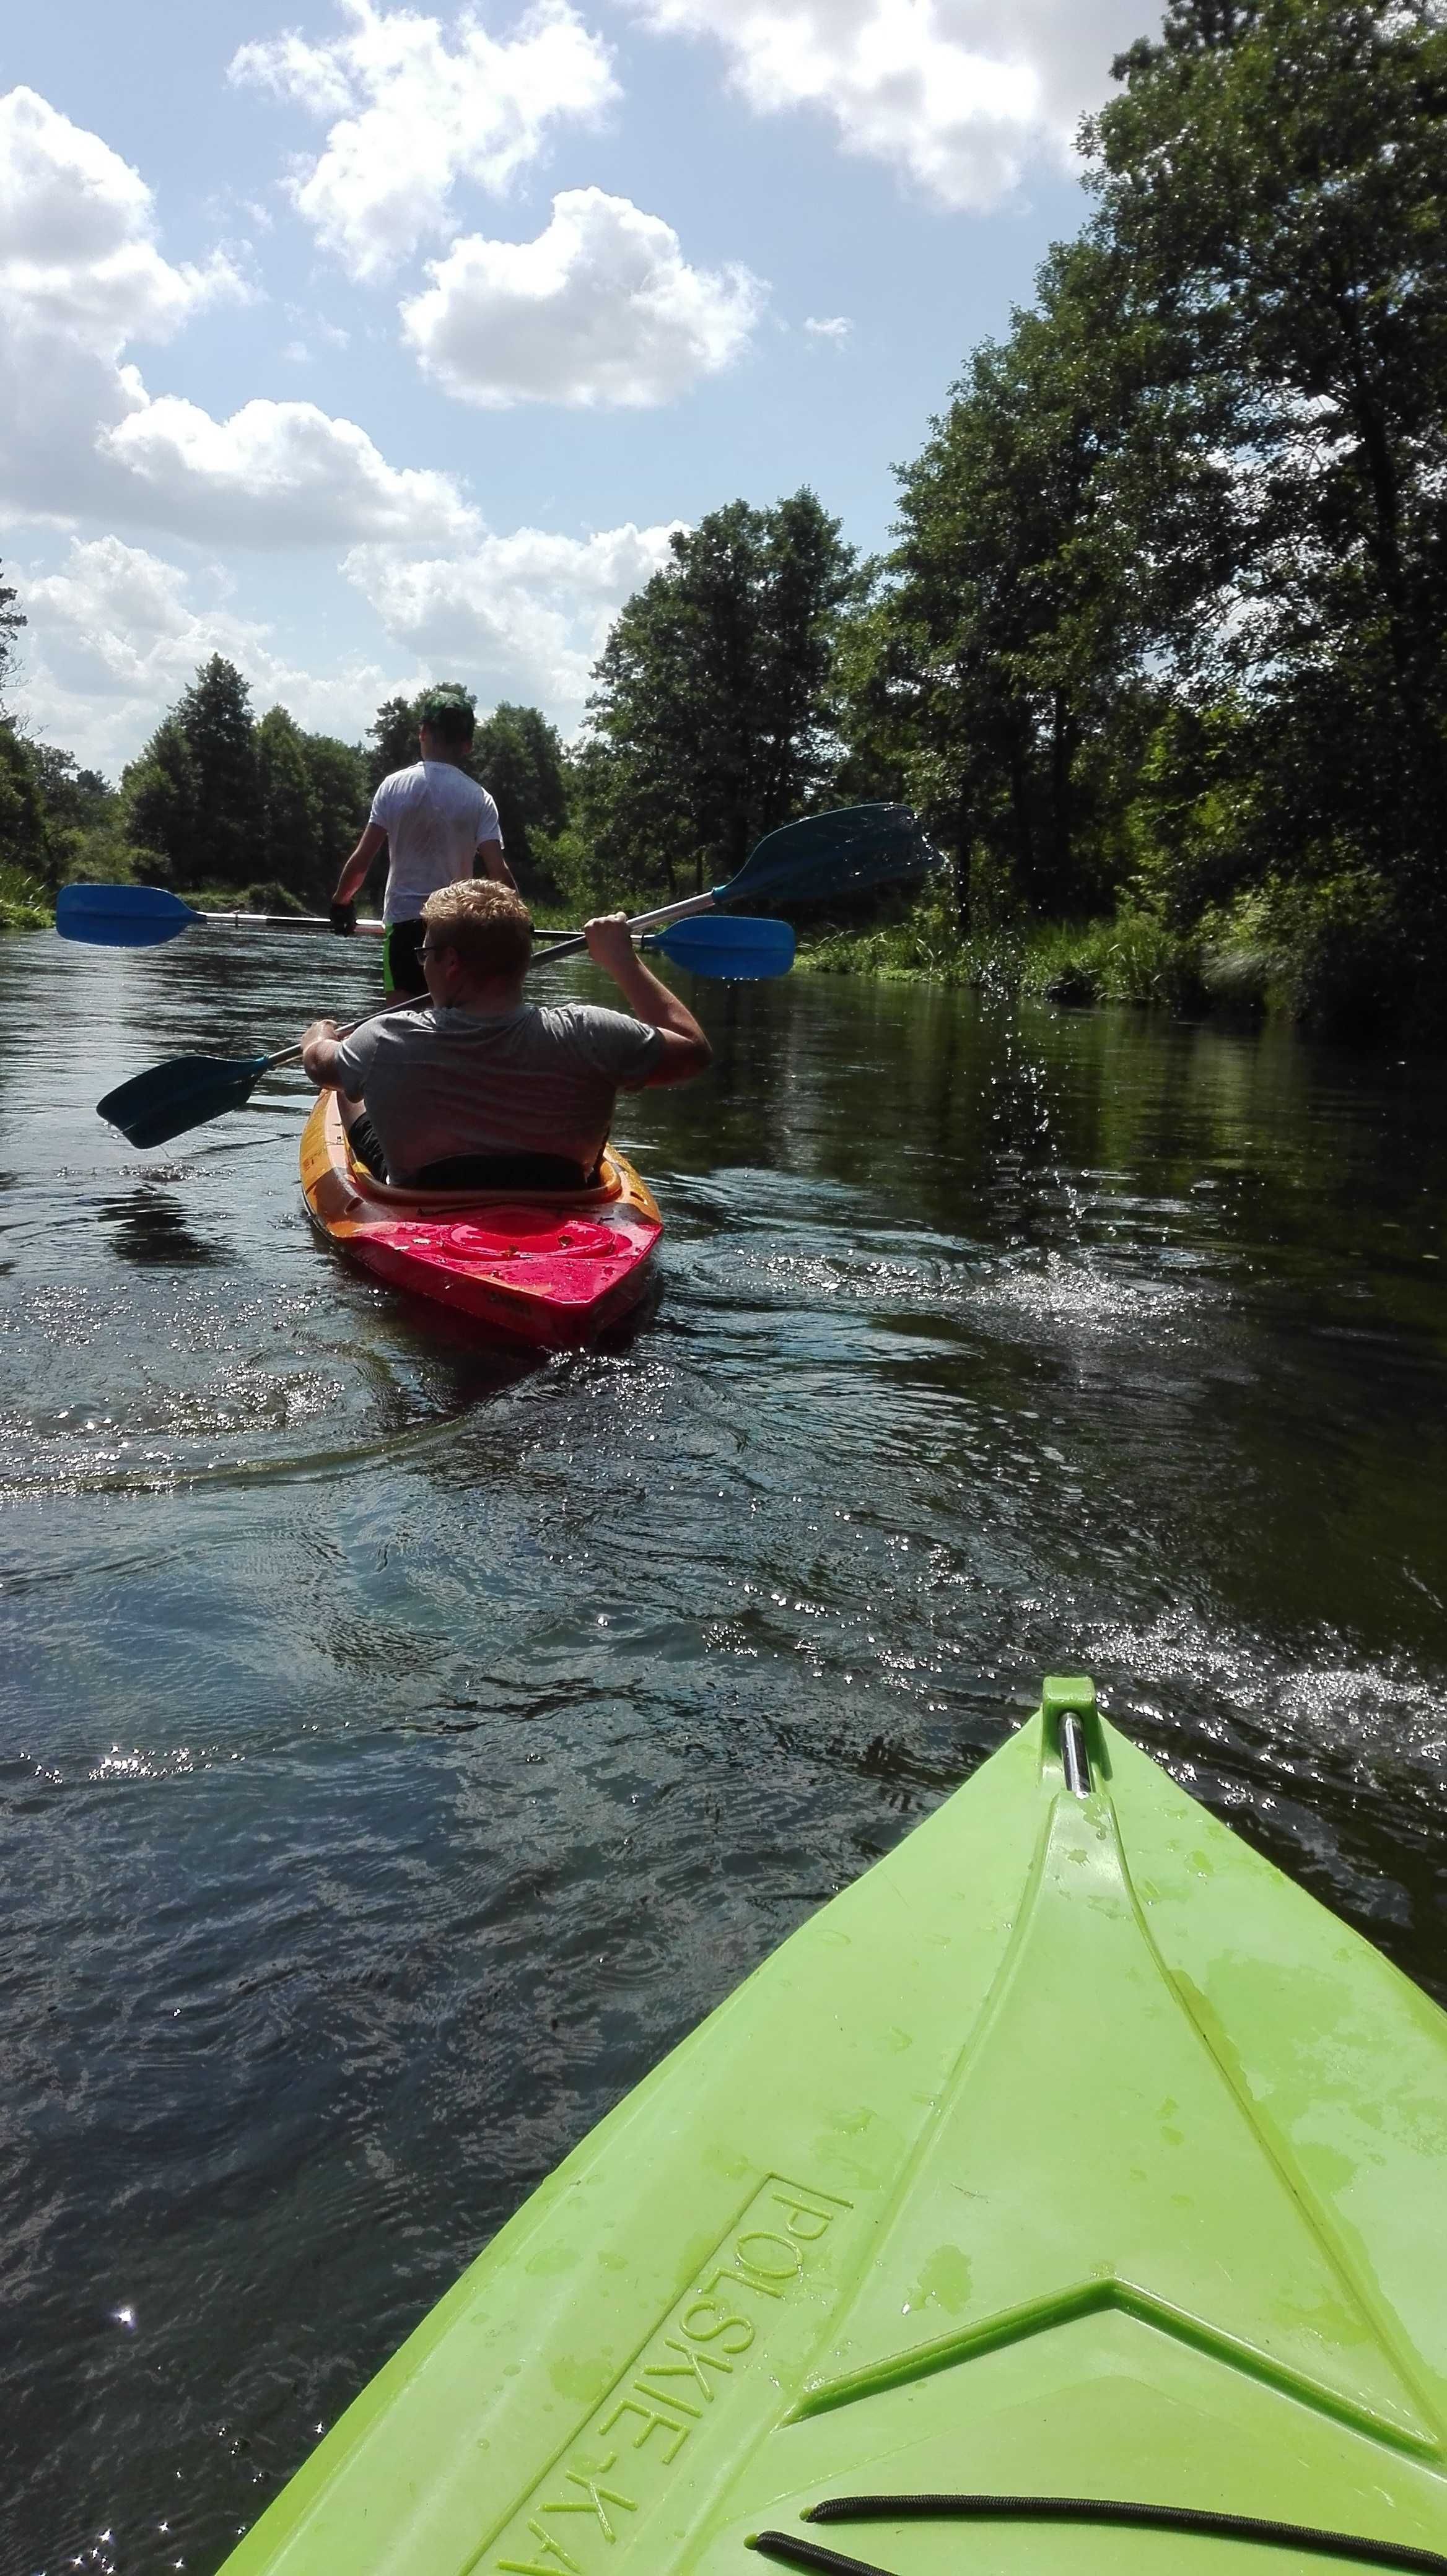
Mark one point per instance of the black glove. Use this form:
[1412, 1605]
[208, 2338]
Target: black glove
[343, 918]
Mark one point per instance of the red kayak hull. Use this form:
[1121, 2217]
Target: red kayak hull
[544, 1267]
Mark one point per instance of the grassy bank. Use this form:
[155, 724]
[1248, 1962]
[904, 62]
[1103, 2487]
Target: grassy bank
[25, 904]
[1131, 957]
[1333, 957]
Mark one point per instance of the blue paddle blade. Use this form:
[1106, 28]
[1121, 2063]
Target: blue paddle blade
[121, 916]
[739, 952]
[184, 1092]
[829, 857]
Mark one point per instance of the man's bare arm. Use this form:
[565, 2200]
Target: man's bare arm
[490, 862]
[354, 869]
[686, 1050]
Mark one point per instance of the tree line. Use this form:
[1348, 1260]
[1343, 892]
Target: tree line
[221, 799]
[1162, 636]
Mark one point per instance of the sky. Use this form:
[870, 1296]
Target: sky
[373, 344]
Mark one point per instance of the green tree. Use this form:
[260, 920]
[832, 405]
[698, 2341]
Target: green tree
[286, 841]
[340, 793]
[1277, 173]
[23, 835]
[1169, 602]
[392, 737]
[518, 756]
[1055, 537]
[710, 710]
[71, 794]
[161, 795]
[214, 714]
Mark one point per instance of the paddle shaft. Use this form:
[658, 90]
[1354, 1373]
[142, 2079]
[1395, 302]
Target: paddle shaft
[377, 929]
[575, 939]
[287, 921]
[293, 1054]
[646, 920]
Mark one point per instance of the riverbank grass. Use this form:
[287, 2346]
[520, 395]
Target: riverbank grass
[25, 904]
[1132, 955]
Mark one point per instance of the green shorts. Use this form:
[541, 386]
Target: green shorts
[402, 970]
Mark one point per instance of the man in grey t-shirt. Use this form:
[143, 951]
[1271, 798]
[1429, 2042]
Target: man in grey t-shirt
[481, 1086]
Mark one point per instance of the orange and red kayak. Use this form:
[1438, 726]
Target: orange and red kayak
[545, 1266]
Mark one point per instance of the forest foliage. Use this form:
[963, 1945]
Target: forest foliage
[1159, 652]
[1165, 630]
[221, 801]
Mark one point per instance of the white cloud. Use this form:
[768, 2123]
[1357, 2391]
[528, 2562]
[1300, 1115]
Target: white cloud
[116, 635]
[959, 94]
[279, 472]
[602, 308]
[415, 113]
[78, 254]
[117, 632]
[837, 328]
[526, 616]
[81, 277]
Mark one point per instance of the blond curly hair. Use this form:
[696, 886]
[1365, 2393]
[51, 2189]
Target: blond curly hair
[486, 924]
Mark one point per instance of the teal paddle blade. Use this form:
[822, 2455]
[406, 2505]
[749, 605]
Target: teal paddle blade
[828, 857]
[121, 916]
[184, 1092]
[719, 943]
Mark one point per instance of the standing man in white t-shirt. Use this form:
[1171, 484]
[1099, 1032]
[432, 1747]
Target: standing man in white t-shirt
[438, 824]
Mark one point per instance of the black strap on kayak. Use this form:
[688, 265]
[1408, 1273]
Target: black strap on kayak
[788, 2551]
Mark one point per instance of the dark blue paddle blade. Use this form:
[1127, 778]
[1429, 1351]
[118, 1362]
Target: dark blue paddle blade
[718, 943]
[184, 1092]
[829, 857]
[121, 916]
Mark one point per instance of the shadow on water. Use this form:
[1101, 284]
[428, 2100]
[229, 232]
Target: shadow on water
[404, 1741]
[149, 1228]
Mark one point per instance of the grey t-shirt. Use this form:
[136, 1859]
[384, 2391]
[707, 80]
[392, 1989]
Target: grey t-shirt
[536, 1080]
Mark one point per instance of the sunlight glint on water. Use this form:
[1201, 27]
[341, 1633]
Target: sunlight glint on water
[404, 1743]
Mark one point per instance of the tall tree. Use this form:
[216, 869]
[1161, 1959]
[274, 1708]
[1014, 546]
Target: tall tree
[340, 792]
[710, 711]
[1277, 173]
[518, 756]
[72, 794]
[392, 739]
[215, 716]
[23, 835]
[286, 842]
[1055, 537]
[161, 793]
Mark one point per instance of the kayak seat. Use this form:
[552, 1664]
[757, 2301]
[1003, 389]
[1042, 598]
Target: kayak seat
[500, 1176]
[504, 1172]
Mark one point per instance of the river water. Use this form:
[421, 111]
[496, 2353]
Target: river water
[403, 1745]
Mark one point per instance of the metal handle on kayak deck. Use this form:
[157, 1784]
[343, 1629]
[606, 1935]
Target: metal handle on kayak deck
[1067, 1705]
[1074, 1759]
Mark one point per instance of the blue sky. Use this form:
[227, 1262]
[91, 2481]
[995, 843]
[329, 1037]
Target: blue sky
[371, 342]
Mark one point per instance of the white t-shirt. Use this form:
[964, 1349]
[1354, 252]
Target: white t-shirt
[434, 817]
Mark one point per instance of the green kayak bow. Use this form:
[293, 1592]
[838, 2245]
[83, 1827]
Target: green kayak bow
[1068, 2194]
